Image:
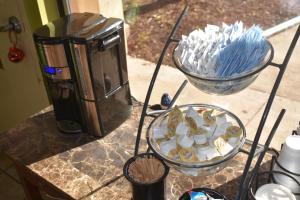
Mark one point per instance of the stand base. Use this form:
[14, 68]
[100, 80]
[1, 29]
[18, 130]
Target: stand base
[69, 127]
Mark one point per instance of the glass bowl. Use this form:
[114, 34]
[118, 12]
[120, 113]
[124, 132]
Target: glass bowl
[228, 85]
[196, 168]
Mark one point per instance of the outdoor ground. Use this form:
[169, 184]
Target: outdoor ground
[152, 20]
[248, 104]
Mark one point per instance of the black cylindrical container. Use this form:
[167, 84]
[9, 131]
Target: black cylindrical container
[147, 191]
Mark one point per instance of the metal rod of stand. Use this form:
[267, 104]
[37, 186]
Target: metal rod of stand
[146, 102]
[178, 93]
[266, 146]
[243, 185]
[173, 101]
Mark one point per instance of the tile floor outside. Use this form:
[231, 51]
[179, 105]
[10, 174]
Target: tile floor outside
[248, 104]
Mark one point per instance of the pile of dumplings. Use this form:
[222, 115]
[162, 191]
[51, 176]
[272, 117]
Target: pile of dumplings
[195, 136]
[222, 52]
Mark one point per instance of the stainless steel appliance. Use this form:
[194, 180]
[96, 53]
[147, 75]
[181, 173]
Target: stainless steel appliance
[84, 64]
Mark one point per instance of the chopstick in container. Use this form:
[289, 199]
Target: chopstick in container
[145, 170]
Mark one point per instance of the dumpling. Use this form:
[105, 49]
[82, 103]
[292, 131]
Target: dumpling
[200, 139]
[222, 146]
[192, 125]
[167, 146]
[209, 130]
[233, 141]
[209, 152]
[208, 118]
[175, 117]
[195, 115]
[191, 112]
[233, 131]
[221, 128]
[160, 132]
[185, 142]
[182, 129]
[221, 118]
[187, 155]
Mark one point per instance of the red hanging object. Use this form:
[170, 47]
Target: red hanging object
[15, 54]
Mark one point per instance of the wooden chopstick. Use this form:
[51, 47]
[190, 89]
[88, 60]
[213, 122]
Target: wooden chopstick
[145, 170]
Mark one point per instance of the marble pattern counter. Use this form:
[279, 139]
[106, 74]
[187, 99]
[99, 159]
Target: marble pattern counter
[85, 167]
[76, 164]
[226, 181]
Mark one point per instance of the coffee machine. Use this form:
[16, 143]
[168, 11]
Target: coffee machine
[83, 60]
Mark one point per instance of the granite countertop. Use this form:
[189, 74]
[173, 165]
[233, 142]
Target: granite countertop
[76, 164]
[85, 167]
[226, 182]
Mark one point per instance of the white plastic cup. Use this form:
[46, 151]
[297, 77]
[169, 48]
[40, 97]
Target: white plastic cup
[274, 192]
[289, 158]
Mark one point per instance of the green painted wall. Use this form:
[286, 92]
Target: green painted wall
[40, 12]
[33, 13]
[51, 9]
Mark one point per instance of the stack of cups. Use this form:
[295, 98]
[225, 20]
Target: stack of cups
[273, 191]
[147, 174]
[289, 159]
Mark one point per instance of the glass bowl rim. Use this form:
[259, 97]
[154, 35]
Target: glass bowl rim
[199, 165]
[266, 62]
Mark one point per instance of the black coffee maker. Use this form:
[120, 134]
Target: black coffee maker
[83, 59]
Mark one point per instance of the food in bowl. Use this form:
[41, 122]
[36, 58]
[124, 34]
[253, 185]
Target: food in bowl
[196, 135]
[223, 52]
[223, 60]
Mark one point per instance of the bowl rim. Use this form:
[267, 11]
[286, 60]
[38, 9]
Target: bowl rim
[227, 157]
[205, 189]
[266, 62]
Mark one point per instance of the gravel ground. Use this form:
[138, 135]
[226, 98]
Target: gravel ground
[151, 21]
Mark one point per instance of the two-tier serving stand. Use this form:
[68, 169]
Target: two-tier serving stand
[256, 150]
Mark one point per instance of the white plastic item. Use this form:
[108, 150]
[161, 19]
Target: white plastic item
[274, 192]
[293, 143]
[289, 158]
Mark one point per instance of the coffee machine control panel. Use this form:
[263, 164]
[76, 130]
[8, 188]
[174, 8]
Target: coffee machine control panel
[60, 73]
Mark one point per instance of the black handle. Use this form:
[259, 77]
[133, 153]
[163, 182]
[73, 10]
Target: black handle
[109, 42]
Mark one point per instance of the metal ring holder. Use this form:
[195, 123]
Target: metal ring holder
[256, 148]
[268, 175]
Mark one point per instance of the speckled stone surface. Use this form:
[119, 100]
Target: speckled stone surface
[226, 182]
[76, 164]
[85, 167]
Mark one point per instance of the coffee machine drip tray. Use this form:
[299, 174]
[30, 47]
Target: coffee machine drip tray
[67, 126]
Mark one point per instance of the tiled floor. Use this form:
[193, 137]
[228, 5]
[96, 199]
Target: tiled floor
[10, 188]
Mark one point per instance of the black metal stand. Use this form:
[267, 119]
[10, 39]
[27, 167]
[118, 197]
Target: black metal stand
[244, 185]
[259, 178]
